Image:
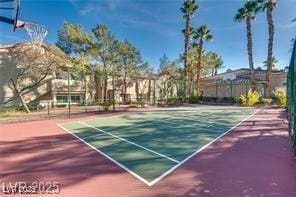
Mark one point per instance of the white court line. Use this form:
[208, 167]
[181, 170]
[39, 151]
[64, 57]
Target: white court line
[107, 156]
[166, 120]
[133, 143]
[151, 183]
[199, 150]
[143, 124]
[198, 120]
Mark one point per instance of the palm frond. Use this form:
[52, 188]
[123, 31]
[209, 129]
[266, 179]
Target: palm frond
[189, 8]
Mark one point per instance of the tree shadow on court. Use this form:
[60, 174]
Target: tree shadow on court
[254, 159]
[59, 158]
[246, 162]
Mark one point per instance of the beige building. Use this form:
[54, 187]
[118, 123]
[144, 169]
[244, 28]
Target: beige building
[53, 89]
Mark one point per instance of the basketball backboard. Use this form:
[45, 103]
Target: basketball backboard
[10, 12]
[16, 7]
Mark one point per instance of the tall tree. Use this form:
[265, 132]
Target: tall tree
[248, 13]
[34, 66]
[106, 54]
[214, 62]
[272, 63]
[75, 42]
[200, 35]
[129, 62]
[164, 63]
[143, 74]
[188, 9]
[268, 6]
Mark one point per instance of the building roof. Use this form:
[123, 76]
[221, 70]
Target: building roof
[242, 74]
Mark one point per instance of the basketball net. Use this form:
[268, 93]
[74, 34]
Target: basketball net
[36, 32]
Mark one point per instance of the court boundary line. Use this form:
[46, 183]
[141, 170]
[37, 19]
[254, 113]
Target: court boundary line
[107, 156]
[160, 110]
[130, 142]
[163, 175]
[151, 183]
[151, 122]
[161, 120]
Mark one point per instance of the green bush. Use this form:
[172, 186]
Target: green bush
[194, 98]
[250, 99]
[208, 98]
[281, 98]
[237, 100]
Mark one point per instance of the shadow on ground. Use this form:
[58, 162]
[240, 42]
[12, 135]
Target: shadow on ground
[254, 160]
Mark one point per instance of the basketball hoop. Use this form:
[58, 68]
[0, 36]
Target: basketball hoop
[36, 32]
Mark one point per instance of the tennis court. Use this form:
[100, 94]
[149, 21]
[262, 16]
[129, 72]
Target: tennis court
[150, 145]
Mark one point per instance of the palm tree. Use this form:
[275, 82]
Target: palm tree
[268, 6]
[189, 9]
[200, 35]
[247, 13]
[215, 62]
[271, 63]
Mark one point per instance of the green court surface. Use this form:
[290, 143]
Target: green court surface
[150, 145]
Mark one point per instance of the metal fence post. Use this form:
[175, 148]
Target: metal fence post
[69, 93]
[113, 91]
[216, 91]
[137, 92]
[231, 96]
[48, 108]
[154, 94]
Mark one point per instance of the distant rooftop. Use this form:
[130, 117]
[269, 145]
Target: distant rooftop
[242, 74]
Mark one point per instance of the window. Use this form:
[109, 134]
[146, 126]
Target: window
[64, 99]
[75, 99]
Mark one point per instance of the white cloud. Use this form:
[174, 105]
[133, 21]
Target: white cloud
[90, 8]
[129, 14]
[98, 6]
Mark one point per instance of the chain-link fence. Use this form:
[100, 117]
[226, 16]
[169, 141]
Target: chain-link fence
[105, 92]
[67, 94]
[291, 97]
[227, 91]
[110, 92]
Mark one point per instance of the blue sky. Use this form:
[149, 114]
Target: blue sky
[154, 26]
